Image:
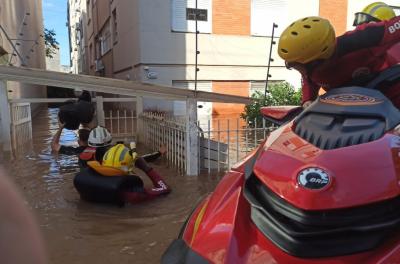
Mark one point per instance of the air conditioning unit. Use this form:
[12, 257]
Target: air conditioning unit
[99, 66]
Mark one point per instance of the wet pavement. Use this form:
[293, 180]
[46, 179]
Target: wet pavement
[79, 232]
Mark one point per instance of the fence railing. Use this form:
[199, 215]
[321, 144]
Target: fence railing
[159, 129]
[121, 123]
[222, 142]
[225, 142]
[21, 124]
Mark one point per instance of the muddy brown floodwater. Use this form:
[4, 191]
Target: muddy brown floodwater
[79, 232]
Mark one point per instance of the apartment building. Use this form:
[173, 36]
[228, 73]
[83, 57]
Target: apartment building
[154, 41]
[54, 63]
[76, 22]
[21, 42]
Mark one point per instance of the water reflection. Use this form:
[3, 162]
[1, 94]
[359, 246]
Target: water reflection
[79, 232]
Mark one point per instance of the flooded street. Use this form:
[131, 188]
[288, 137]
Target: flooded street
[79, 232]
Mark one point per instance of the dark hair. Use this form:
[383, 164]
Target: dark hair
[83, 134]
[68, 115]
[85, 96]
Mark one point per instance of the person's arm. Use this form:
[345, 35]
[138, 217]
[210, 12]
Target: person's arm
[309, 91]
[155, 155]
[159, 185]
[55, 142]
[369, 35]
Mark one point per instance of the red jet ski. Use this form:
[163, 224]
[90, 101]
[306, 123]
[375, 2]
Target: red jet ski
[322, 188]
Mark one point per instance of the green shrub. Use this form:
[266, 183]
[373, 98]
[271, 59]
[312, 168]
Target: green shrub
[280, 93]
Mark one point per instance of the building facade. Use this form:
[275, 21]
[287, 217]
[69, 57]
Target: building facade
[54, 63]
[76, 22]
[22, 42]
[154, 41]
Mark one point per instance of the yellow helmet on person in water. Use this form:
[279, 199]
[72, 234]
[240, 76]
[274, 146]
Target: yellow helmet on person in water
[119, 157]
[307, 39]
[375, 12]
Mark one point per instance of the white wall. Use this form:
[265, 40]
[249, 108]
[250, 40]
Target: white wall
[227, 57]
[223, 57]
[12, 13]
[53, 64]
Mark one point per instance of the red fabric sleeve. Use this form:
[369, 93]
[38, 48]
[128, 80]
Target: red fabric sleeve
[159, 187]
[309, 90]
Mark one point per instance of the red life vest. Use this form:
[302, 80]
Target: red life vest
[88, 154]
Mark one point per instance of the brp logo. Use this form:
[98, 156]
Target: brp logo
[313, 179]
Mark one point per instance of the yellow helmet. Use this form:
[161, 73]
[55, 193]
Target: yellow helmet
[307, 39]
[119, 157]
[377, 11]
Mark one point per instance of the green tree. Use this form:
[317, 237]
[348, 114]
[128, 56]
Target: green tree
[280, 93]
[50, 42]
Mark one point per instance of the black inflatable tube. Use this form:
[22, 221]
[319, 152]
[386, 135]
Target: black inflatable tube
[96, 188]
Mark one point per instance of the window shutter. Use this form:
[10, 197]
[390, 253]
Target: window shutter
[204, 86]
[266, 12]
[257, 86]
[179, 15]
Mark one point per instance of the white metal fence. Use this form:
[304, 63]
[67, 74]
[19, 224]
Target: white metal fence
[223, 142]
[21, 124]
[121, 123]
[159, 129]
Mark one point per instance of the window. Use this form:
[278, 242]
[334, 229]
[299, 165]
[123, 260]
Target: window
[184, 15]
[81, 28]
[91, 57]
[266, 12]
[89, 11]
[78, 32]
[115, 25]
[105, 39]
